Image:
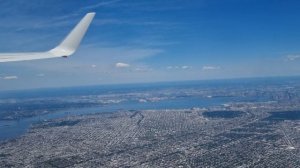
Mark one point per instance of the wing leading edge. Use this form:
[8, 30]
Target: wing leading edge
[66, 48]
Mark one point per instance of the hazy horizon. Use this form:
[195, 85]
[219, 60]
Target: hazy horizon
[171, 83]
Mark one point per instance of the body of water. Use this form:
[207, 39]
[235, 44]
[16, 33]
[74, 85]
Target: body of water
[15, 128]
[11, 129]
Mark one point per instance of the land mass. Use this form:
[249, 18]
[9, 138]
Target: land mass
[242, 135]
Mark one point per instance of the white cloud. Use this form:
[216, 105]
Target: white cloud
[142, 69]
[207, 68]
[292, 57]
[122, 65]
[93, 66]
[10, 77]
[185, 67]
[100, 4]
[40, 75]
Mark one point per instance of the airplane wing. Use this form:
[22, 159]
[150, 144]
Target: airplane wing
[66, 48]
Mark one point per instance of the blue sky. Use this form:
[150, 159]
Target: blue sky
[151, 40]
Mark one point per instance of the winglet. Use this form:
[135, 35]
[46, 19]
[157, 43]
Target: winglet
[70, 44]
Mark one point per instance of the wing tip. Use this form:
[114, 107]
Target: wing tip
[91, 13]
[71, 43]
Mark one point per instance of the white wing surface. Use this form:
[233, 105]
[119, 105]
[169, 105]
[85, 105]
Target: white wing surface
[66, 48]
